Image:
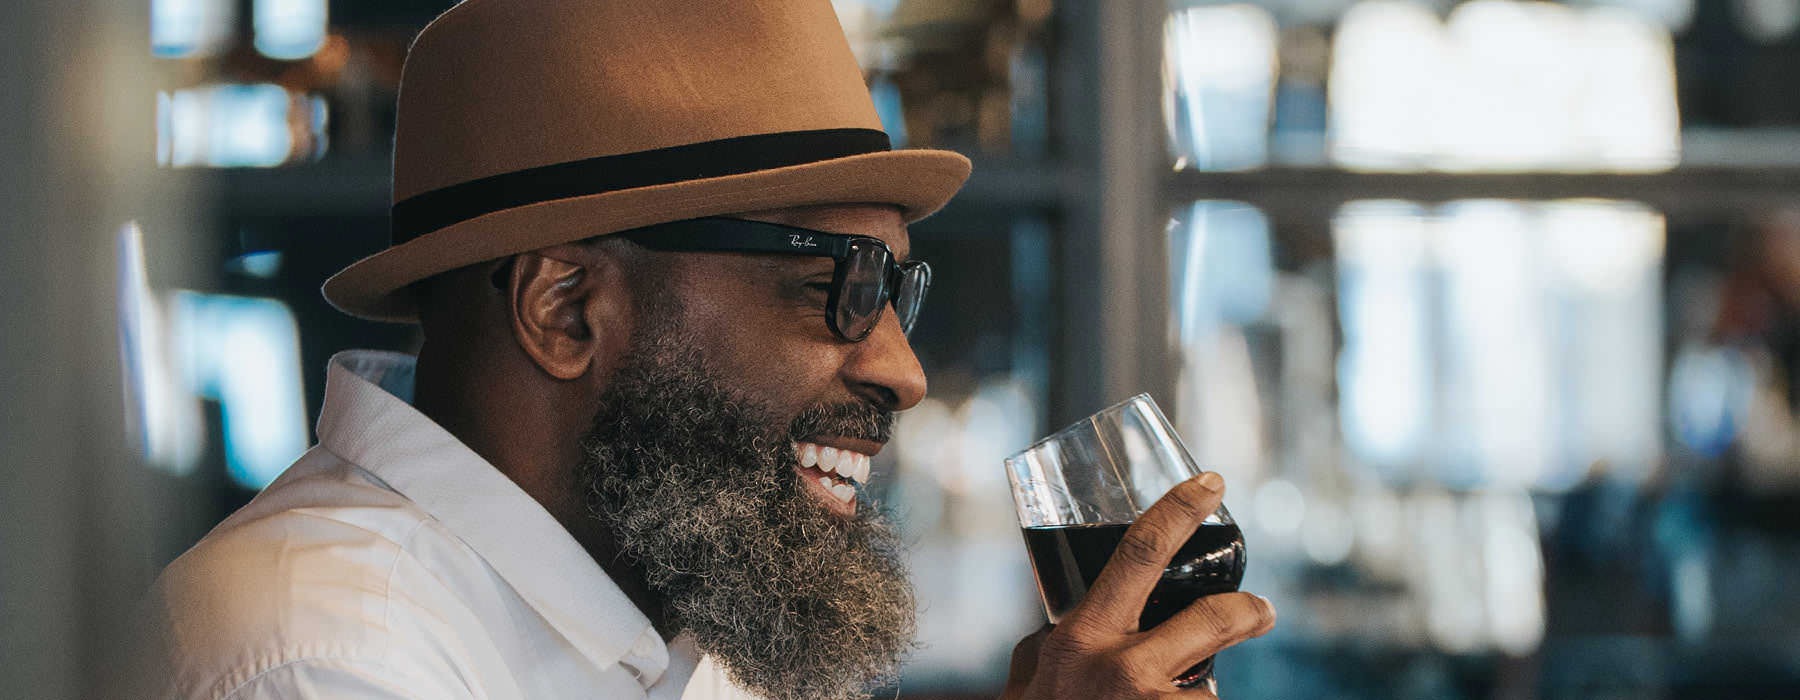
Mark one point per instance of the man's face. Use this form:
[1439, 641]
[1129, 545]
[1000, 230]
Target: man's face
[694, 463]
[762, 319]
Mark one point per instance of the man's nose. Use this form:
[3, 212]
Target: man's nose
[883, 370]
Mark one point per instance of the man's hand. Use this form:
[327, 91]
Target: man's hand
[1098, 653]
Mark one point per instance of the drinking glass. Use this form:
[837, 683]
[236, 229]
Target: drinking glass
[1078, 490]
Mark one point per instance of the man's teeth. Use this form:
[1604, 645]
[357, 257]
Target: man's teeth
[842, 492]
[848, 464]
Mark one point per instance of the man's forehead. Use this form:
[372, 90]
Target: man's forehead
[881, 221]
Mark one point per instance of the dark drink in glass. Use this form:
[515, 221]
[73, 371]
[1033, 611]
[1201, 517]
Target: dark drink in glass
[1078, 491]
[1068, 559]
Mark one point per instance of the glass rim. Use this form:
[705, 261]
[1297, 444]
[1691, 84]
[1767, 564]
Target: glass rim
[1058, 434]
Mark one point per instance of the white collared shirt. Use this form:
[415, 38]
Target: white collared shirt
[391, 561]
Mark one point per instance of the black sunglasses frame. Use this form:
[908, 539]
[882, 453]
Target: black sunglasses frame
[727, 235]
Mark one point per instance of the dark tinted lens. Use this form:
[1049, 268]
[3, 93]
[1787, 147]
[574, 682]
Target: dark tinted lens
[915, 280]
[864, 291]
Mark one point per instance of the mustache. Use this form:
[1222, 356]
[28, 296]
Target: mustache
[854, 419]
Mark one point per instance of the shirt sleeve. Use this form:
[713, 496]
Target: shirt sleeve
[339, 679]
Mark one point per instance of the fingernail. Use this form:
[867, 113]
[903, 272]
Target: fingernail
[1212, 481]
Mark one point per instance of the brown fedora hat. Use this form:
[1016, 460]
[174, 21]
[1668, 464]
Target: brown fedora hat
[529, 123]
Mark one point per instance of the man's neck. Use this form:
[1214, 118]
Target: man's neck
[603, 547]
[507, 431]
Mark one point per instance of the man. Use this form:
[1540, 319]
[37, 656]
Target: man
[659, 254]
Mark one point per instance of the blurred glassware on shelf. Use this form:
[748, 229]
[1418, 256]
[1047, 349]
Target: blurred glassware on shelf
[182, 348]
[1387, 63]
[1502, 86]
[166, 428]
[1539, 361]
[234, 126]
[244, 354]
[1219, 64]
[289, 29]
[1385, 368]
[1222, 270]
[187, 28]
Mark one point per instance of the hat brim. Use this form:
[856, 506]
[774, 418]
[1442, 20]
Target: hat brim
[919, 181]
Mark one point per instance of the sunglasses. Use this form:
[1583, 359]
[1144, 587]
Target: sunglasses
[864, 282]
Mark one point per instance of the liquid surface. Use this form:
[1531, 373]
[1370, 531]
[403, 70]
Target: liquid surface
[1069, 559]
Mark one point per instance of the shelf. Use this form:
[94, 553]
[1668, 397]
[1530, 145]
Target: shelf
[359, 187]
[1683, 190]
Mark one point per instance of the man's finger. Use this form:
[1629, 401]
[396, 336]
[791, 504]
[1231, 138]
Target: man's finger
[1117, 597]
[1024, 663]
[1208, 626]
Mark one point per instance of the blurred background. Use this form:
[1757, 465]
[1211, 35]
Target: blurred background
[1489, 311]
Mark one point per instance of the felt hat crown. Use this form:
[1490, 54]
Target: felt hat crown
[524, 124]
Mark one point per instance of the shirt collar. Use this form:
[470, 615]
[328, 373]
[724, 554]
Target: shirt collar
[367, 421]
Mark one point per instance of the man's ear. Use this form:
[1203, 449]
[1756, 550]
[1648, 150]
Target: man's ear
[567, 305]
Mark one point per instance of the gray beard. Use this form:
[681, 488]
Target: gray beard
[697, 485]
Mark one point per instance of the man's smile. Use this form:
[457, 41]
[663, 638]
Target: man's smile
[831, 472]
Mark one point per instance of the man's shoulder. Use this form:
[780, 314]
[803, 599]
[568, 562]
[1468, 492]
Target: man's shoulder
[324, 522]
[305, 571]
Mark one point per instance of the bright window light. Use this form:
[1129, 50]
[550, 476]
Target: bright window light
[183, 28]
[160, 415]
[1219, 405]
[228, 126]
[1218, 82]
[180, 128]
[290, 29]
[1478, 570]
[1223, 274]
[1606, 264]
[1603, 248]
[1626, 117]
[1673, 15]
[1447, 571]
[249, 126]
[1502, 344]
[1385, 370]
[244, 353]
[1223, 266]
[1503, 86]
[1500, 406]
[1387, 65]
[1515, 80]
[1513, 569]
